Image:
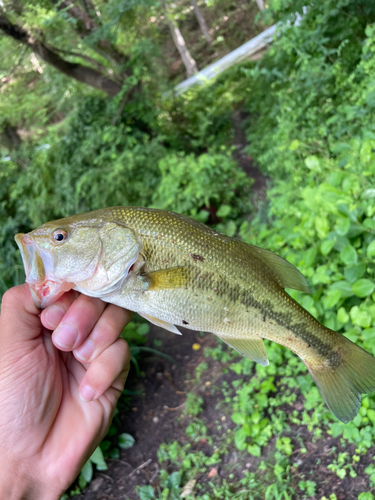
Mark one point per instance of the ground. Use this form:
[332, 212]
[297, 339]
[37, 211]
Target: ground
[157, 415]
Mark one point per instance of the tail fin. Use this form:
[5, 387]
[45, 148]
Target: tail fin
[341, 386]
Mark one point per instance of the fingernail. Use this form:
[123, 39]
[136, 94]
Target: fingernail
[65, 336]
[87, 393]
[86, 350]
[53, 315]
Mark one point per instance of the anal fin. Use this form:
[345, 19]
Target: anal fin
[252, 348]
[161, 323]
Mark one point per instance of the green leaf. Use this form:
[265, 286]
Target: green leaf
[368, 334]
[353, 273]
[240, 437]
[371, 249]
[173, 481]
[371, 415]
[98, 459]
[360, 317]
[342, 226]
[230, 228]
[345, 288]
[105, 445]
[331, 299]
[341, 473]
[294, 145]
[146, 492]
[366, 495]
[355, 230]
[125, 441]
[312, 163]
[321, 226]
[327, 246]
[143, 328]
[254, 450]
[342, 315]
[348, 255]
[87, 471]
[309, 257]
[238, 418]
[223, 211]
[363, 287]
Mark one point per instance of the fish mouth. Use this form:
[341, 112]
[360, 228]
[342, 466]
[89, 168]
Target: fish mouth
[38, 264]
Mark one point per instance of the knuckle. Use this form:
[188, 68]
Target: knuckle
[91, 305]
[122, 346]
[12, 297]
[109, 325]
[117, 353]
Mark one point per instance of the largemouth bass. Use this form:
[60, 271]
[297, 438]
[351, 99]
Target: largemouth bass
[175, 271]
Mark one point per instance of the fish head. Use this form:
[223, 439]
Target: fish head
[88, 254]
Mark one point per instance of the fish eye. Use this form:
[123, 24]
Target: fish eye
[59, 235]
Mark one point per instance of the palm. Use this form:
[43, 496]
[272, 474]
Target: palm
[58, 424]
[43, 419]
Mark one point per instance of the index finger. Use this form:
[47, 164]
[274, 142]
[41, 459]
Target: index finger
[78, 321]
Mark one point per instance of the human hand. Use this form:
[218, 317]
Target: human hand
[47, 429]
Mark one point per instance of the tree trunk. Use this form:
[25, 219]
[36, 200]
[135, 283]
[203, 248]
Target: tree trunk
[260, 4]
[190, 64]
[201, 21]
[77, 71]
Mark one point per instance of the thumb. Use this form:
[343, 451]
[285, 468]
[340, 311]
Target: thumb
[19, 318]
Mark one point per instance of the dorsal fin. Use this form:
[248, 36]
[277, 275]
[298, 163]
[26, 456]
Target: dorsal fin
[252, 348]
[288, 274]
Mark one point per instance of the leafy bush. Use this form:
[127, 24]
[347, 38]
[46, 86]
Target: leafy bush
[97, 159]
[312, 129]
[211, 184]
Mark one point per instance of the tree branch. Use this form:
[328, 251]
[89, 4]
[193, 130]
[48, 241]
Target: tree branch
[77, 71]
[187, 59]
[6, 79]
[85, 26]
[201, 21]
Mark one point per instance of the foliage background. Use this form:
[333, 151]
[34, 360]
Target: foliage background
[310, 103]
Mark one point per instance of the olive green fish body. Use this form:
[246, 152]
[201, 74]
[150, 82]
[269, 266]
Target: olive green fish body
[229, 291]
[174, 270]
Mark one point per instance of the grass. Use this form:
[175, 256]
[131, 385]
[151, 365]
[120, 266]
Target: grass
[254, 432]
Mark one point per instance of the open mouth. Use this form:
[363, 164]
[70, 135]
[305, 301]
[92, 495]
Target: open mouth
[38, 266]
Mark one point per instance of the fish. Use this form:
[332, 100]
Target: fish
[177, 272]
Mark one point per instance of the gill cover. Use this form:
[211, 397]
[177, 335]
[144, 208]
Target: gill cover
[95, 258]
[120, 249]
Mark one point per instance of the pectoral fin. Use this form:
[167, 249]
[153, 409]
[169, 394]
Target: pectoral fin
[252, 348]
[175, 277]
[161, 323]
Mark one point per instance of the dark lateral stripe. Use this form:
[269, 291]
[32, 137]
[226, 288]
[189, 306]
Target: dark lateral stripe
[301, 330]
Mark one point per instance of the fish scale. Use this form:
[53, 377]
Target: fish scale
[174, 270]
[180, 239]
